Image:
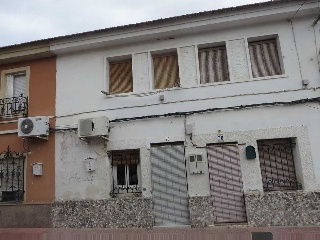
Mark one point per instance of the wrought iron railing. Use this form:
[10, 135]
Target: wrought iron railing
[134, 189]
[11, 176]
[14, 107]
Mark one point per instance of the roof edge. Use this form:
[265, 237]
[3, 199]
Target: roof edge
[149, 23]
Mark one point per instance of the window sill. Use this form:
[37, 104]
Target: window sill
[249, 80]
[10, 203]
[126, 195]
[269, 77]
[153, 92]
[142, 94]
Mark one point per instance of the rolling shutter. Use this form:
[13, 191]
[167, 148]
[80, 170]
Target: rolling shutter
[277, 164]
[264, 58]
[19, 85]
[120, 77]
[213, 65]
[169, 183]
[226, 184]
[166, 71]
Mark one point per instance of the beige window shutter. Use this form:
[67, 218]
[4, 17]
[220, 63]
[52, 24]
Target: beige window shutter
[120, 77]
[166, 71]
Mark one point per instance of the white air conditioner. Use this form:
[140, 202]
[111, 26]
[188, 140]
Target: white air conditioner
[93, 127]
[33, 127]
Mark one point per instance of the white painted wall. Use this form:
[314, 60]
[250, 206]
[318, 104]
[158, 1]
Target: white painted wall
[82, 75]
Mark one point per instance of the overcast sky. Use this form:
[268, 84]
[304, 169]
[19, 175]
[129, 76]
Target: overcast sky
[28, 20]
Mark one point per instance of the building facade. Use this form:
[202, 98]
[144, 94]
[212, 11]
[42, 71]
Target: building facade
[213, 120]
[28, 80]
[201, 120]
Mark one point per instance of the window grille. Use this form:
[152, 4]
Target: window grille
[277, 164]
[264, 58]
[213, 64]
[125, 169]
[11, 176]
[120, 77]
[166, 71]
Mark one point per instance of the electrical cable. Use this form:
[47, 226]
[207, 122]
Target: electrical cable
[180, 114]
[24, 143]
[297, 11]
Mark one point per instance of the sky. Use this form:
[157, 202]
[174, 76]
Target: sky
[29, 20]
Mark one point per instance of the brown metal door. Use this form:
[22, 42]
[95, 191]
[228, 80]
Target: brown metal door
[226, 184]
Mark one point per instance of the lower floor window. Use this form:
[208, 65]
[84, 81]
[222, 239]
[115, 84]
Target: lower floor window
[11, 176]
[277, 164]
[125, 171]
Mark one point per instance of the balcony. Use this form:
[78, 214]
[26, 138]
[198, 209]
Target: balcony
[14, 107]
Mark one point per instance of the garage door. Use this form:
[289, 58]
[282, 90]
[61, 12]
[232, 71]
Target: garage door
[226, 184]
[169, 181]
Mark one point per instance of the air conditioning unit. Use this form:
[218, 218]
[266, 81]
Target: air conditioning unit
[33, 127]
[93, 127]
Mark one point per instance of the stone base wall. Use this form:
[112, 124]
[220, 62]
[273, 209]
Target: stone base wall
[112, 213]
[25, 216]
[201, 211]
[294, 208]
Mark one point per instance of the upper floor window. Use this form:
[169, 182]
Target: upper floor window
[14, 92]
[125, 168]
[166, 70]
[14, 82]
[277, 164]
[120, 77]
[213, 64]
[264, 57]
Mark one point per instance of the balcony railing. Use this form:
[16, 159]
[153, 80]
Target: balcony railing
[14, 107]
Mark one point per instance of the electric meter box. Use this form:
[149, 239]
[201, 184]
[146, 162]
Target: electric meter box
[37, 169]
[90, 164]
[196, 164]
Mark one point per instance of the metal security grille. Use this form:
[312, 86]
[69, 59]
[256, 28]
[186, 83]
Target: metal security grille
[277, 164]
[226, 184]
[170, 193]
[125, 172]
[11, 176]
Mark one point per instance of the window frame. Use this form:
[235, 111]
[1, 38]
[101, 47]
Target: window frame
[163, 53]
[270, 37]
[14, 71]
[204, 47]
[114, 60]
[276, 184]
[126, 189]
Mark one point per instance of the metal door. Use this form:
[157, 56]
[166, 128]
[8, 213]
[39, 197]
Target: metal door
[170, 193]
[226, 184]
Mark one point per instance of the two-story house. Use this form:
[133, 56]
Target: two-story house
[27, 89]
[213, 119]
[198, 120]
